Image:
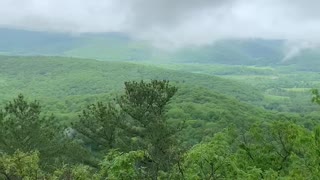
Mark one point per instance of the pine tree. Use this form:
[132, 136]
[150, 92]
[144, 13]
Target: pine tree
[145, 103]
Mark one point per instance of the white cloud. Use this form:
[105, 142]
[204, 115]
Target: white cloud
[174, 22]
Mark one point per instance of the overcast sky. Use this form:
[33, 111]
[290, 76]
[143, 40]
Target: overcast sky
[175, 22]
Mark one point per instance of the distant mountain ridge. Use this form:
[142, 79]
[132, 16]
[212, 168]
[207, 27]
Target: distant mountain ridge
[119, 47]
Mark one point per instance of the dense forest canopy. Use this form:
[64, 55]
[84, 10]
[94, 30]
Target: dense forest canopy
[158, 130]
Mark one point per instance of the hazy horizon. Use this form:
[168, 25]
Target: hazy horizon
[172, 23]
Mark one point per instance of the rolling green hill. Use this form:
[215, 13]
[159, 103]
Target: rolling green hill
[62, 80]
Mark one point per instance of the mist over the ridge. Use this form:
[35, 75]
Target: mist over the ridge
[173, 23]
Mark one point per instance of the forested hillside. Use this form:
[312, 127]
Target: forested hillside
[99, 120]
[53, 78]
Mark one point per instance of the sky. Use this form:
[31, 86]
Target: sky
[171, 22]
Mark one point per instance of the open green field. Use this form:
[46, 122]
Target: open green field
[275, 83]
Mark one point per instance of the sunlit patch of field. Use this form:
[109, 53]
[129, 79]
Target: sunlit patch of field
[254, 77]
[297, 90]
[276, 98]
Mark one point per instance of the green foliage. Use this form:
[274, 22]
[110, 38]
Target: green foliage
[78, 172]
[20, 165]
[316, 96]
[118, 165]
[284, 148]
[267, 150]
[145, 102]
[23, 127]
[99, 124]
[209, 160]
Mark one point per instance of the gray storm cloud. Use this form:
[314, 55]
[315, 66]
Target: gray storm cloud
[170, 22]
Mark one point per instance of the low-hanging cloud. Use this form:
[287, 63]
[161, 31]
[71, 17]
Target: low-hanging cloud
[170, 22]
